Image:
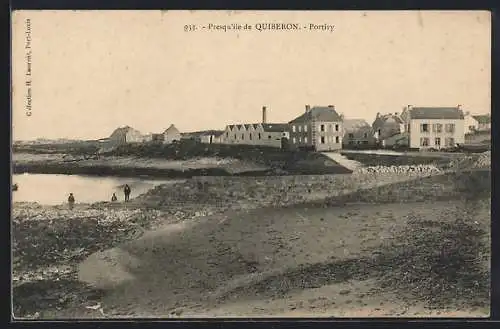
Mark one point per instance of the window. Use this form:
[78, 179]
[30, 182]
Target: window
[227, 135]
[424, 128]
[351, 142]
[450, 127]
[250, 136]
[379, 132]
[300, 139]
[351, 135]
[294, 140]
[322, 127]
[365, 135]
[269, 137]
[472, 128]
[408, 128]
[437, 127]
[365, 142]
[337, 139]
[437, 141]
[305, 139]
[305, 128]
[293, 128]
[235, 136]
[300, 129]
[242, 136]
[336, 127]
[424, 141]
[259, 136]
[322, 139]
[450, 142]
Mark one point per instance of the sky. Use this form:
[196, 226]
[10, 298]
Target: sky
[93, 71]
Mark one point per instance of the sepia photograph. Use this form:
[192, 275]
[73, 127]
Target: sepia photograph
[180, 164]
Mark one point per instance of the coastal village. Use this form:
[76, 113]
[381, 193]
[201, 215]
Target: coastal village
[324, 129]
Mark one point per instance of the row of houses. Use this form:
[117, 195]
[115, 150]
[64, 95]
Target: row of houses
[322, 128]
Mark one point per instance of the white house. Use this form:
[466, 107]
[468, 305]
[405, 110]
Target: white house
[125, 135]
[171, 134]
[470, 123]
[434, 127]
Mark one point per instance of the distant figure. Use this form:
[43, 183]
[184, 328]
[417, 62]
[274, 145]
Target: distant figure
[126, 191]
[71, 201]
[114, 198]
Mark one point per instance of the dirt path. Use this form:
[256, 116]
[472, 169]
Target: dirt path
[343, 161]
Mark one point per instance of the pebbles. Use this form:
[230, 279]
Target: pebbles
[484, 160]
[413, 170]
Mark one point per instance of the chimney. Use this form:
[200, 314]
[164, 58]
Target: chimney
[459, 106]
[409, 107]
[378, 114]
[308, 108]
[396, 113]
[331, 106]
[264, 114]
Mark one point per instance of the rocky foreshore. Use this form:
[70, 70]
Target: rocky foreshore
[49, 241]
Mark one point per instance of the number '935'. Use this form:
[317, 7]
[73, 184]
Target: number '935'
[189, 28]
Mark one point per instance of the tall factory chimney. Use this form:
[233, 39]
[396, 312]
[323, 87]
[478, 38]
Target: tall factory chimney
[264, 117]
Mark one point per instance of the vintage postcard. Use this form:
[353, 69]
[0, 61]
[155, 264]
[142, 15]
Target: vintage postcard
[198, 164]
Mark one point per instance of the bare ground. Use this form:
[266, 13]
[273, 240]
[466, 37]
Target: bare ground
[409, 257]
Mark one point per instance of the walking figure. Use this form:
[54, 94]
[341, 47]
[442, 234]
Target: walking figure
[71, 201]
[126, 191]
[113, 198]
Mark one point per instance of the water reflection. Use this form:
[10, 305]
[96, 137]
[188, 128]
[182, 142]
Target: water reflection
[53, 189]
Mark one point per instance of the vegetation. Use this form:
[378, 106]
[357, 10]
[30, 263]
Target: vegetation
[299, 161]
[73, 148]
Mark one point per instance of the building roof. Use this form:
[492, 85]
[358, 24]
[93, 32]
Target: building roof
[216, 133]
[483, 118]
[319, 113]
[453, 113]
[380, 120]
[275, 127]
[172, 128]
[353, 124]
[123, 130]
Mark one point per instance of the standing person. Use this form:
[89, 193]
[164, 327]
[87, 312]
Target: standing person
[71, 201]
[127, 191]
[113, 198]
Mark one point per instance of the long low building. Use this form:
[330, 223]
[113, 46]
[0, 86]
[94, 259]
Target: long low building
[263, 134]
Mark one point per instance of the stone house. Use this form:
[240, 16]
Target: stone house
[387, 125]
[357, 133]
[319, 128]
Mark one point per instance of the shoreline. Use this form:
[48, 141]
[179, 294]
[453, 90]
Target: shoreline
[163, 168]
[103, 225]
